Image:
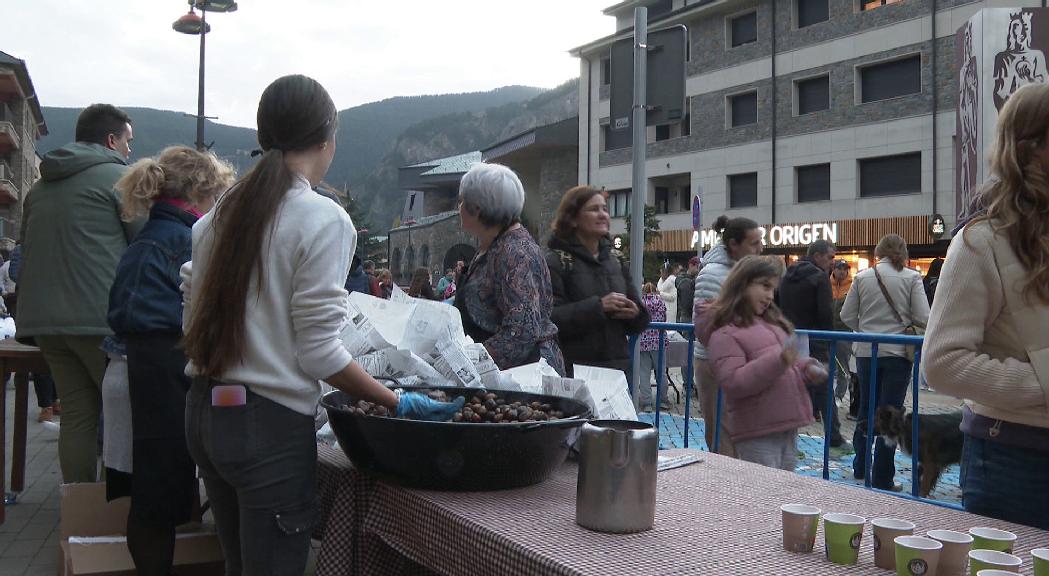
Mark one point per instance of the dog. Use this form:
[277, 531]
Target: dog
[940, 440]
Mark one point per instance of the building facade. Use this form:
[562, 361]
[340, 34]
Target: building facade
[830, 115]
[21, 125]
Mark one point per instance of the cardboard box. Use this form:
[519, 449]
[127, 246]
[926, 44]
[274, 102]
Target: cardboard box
[94, 541]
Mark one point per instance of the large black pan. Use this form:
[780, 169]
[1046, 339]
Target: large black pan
[456, 455]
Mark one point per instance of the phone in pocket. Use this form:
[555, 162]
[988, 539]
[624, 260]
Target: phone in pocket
[229, 395]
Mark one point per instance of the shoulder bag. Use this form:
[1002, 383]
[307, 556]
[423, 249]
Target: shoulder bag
[908, 329]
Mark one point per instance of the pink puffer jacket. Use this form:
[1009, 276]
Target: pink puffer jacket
[762, 396]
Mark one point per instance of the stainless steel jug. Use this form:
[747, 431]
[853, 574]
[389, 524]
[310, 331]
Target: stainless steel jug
[616, 488]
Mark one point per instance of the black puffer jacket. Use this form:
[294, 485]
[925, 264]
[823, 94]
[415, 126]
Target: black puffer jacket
[585, 333]
[807, 301]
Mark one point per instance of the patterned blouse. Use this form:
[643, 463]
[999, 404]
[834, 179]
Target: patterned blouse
[506, 300]
[657, 309]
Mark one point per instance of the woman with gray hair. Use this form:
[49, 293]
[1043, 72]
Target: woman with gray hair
[504, 295]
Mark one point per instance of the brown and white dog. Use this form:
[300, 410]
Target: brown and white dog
[939, 440]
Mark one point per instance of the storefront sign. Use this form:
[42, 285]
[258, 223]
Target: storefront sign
[617, 243]
[781, 235]
[937, 227]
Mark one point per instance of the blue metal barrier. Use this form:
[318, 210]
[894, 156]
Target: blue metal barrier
[834, 338]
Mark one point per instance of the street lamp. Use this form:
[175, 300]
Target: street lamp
[192, 24]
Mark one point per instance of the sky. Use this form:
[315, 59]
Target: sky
[124, 52]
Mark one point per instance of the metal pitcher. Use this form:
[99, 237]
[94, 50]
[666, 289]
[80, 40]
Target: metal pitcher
[616, 488]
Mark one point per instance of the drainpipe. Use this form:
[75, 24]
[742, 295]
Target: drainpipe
[589, 111]
[772, 8]
[935, 108]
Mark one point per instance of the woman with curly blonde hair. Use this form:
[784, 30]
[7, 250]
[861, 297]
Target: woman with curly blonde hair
[988, 340]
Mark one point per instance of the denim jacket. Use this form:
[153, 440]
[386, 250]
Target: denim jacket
[145, 296]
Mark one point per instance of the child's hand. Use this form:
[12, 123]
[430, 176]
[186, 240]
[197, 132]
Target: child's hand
[814, 372]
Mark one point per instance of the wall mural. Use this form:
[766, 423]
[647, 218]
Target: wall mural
[997, 51]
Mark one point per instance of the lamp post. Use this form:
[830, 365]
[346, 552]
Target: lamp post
[190, 23]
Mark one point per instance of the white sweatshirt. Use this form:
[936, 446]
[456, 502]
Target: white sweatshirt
[293, 323]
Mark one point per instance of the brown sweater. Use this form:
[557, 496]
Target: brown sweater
[985, 342]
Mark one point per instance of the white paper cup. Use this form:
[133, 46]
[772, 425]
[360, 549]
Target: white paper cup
[995, 572]
[884, 532]
[917, 555]
[992, 560]
[800, 522]
[955, 553]
[985, 538]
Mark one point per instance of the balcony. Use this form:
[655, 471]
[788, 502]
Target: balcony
[8, 188]
[8, 131]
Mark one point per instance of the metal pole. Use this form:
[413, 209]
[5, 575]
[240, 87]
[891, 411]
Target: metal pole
[200, 81]
[640, 182]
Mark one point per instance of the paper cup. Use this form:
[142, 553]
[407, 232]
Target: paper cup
[842, 534]
[917, 555]
[884, 531]
[992, 539]
[992, 559]
[1041, 561]
[955, 553]
[800, 522]
[995, 573]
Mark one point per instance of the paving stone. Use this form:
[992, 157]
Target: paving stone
[24, 547]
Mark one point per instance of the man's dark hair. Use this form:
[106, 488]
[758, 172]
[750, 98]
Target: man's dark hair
[820, 246]
[368, 265]
[98, 121]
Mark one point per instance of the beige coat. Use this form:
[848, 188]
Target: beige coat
[866, 309]
[985, 342]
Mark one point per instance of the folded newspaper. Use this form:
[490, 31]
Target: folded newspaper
[421, 343]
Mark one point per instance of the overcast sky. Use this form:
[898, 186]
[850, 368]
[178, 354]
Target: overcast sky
[125, 52]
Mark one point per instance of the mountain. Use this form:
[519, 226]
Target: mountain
[379, 194]
[373, 141]
[366, 132]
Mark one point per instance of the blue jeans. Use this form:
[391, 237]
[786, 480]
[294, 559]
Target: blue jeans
[258, 463]
[892, 378]
[1005, 482]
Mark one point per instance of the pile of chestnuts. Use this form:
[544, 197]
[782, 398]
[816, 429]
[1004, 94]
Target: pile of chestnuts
[482, 407]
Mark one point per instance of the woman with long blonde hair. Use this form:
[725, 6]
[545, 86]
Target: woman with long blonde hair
[988, 338]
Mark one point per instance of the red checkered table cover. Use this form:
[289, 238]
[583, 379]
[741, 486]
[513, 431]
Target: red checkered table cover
[720, 516]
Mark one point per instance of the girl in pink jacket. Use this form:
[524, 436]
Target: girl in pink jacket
[753, 356]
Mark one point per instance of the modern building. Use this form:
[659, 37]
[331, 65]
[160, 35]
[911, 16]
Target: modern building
[430, 235]
[21, 125]
[816, 118]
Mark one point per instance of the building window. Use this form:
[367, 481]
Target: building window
[743, 29]
[662, 132]
[891, 79]
[685, 198]
[686, 122]
[813, 183]
[743, 190]
[743, 109]
[606, 71]
[813, 95]
[872, 4]
[811, 12]
[891, 175]
[619, 203]
[662, 200]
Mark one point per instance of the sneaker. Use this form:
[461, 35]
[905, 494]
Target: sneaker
[850, 417]
[45, 415]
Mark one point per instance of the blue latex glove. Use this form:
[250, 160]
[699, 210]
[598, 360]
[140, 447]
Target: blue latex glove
[416, 406]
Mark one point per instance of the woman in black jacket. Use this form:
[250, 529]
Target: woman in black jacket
[596, 305]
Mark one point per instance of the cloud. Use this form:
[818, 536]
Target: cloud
[125, 52]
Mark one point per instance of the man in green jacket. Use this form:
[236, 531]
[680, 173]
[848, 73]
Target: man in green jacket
[72, 239]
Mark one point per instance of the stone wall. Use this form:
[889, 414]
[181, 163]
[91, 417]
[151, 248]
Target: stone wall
[430, 240]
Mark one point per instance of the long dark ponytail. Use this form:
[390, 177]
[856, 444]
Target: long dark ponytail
[295, 113]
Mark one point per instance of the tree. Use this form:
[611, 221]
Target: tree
[653, 260]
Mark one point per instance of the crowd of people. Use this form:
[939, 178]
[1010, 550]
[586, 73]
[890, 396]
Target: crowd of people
[201, 312]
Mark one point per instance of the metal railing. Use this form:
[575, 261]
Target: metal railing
[835, 339]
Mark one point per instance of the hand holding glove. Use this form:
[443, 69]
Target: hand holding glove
[416, 406]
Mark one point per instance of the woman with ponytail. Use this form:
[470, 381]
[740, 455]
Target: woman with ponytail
[145, 314]
[988, 336]
[264, 310]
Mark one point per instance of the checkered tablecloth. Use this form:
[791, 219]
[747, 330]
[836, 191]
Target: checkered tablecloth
[720, 516]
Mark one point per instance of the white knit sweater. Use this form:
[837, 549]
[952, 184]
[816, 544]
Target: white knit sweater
[294, 320]
[986, 342]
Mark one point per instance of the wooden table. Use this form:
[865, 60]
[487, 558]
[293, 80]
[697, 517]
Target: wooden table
[720, 516]
[21, 360]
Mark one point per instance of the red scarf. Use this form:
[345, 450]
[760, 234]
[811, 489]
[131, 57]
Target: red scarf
[180, 204]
